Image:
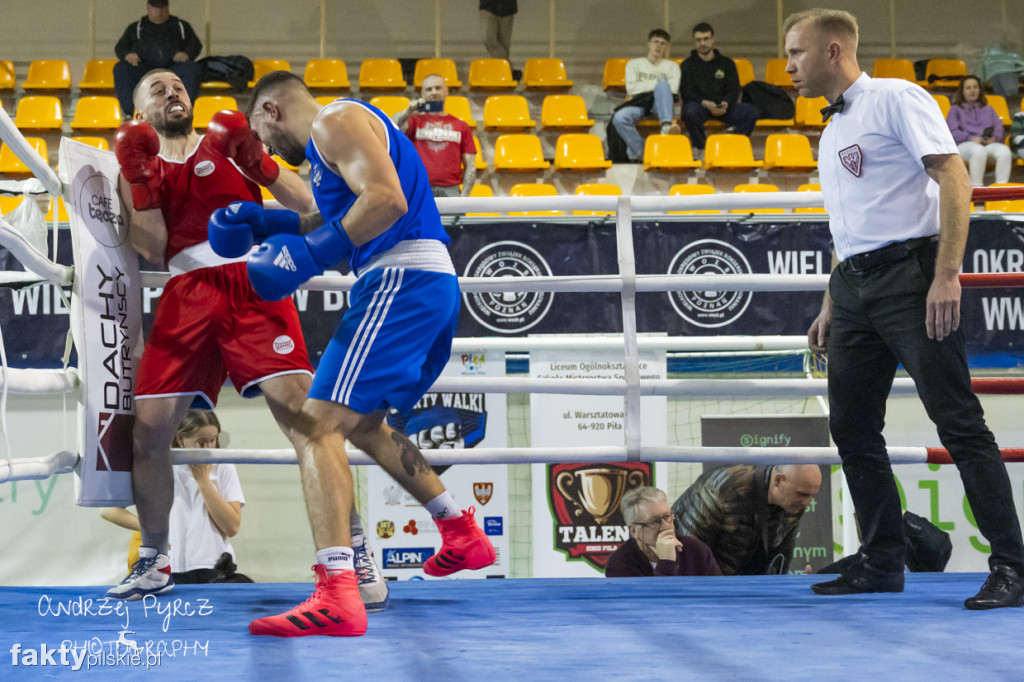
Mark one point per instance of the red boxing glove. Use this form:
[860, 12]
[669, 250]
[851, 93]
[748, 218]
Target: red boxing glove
[136, 146]
[230, 135]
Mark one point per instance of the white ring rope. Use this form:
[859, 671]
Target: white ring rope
[13, 138]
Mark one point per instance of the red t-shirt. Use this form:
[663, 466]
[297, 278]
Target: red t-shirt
[441, 140]
[194, 188]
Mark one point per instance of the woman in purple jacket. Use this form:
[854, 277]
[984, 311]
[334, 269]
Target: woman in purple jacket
[977, 130]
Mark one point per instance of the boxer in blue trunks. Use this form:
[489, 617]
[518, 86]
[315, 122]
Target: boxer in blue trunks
[376, 210]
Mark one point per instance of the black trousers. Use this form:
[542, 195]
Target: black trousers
[878, 321]
[126, 77]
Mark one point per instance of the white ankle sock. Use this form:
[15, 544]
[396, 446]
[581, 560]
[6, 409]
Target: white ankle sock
[336, 559]
[443, 507]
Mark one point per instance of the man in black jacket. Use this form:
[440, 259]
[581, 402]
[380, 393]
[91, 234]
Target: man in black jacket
[748, 515]
[156, 41]
[710, 88]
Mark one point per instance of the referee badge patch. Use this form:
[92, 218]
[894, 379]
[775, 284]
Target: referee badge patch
[851, 159]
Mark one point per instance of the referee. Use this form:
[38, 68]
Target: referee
[898, 198]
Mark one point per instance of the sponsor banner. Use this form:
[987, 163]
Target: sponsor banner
[106, 323]
[403, 533]
[992, 319]
[576, 519]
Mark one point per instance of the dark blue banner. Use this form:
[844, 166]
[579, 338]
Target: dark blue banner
[34, 321]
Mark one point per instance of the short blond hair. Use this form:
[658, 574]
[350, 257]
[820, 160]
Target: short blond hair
[831, 22]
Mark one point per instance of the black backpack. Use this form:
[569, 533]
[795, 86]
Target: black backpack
[234, 69]
[771, 100]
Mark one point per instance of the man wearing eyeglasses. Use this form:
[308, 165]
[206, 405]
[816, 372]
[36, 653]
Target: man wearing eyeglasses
[653, 547]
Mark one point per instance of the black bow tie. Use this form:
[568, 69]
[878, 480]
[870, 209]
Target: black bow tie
[833, 108]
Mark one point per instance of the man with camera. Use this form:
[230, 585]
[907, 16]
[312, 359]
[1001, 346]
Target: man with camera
[444, 142]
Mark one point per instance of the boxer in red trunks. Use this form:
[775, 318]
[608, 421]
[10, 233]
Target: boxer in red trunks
[209, 324]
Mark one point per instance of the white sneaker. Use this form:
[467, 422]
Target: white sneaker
[373, 589]
[151, 574]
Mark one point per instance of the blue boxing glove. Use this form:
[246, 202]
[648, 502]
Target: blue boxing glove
[284, 262]
[233, 230]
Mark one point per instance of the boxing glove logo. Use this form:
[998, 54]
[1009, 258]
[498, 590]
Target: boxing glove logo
[284, 260]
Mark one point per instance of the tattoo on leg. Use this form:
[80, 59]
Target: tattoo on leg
[412, 459]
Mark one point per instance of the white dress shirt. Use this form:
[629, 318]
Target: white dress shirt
[874, 183]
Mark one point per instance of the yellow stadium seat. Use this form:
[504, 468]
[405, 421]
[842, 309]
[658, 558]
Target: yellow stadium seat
[597, 189]
[98, 142]
[48, 75]
[788, 152]
[691, 190]
[533, 189]
[775, 73]
[445, 68]
[808, 112]
[745, 70]
[1009, 206]
[482, 191]
[284, 164]
[208, 105]
[943, 103]
[381, 74]
[580, 152]
[326, 74]
[481, 165]
[11, 165]
[62, 211]
[944, 73]
[96, 113]
[39, 112]
[6, 76]
[507, 113]
[98, 76]
[668, 153]
[390, 104]
[326, 99]
[756, 188]
[519, 153]
[545, 74]
[261, 67]
[894, 68]
[724, 151]
[998, 102]
[807, 209]
[491, 74]
[565, 112]
[458, 106]
[8, 204]
[614, 74]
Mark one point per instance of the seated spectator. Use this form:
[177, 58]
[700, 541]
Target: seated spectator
[652, 83]
[444, 142]
[710, 88]
[156, 41]
[207, 510]
[1002, 69]
[653, 547]
[977, 132]
[748, 515]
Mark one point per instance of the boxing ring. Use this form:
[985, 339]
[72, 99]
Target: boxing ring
[719, 628]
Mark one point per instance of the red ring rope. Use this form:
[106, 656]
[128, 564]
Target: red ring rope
[941, 456]
[997, 193]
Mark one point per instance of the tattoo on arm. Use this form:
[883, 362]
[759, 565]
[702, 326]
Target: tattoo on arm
[412, 459]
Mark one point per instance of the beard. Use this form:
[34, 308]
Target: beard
[177, 128]
[293, 154]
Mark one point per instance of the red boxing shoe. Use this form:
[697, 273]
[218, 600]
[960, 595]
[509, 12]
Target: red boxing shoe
[463, 546]
[335, 609]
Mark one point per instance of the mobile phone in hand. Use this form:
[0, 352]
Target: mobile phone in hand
[988, 132]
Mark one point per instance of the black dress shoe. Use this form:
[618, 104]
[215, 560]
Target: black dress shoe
[1002, 588]
[862, 578]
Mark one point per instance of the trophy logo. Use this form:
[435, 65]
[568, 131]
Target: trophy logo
[482, 492]
[585, 502]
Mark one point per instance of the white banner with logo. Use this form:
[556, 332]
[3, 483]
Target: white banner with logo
[403, 532]
[106, 323]
[577, 523]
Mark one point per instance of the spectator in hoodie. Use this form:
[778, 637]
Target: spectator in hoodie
[977, 132]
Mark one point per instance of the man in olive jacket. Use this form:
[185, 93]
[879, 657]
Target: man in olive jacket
[748, 515]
